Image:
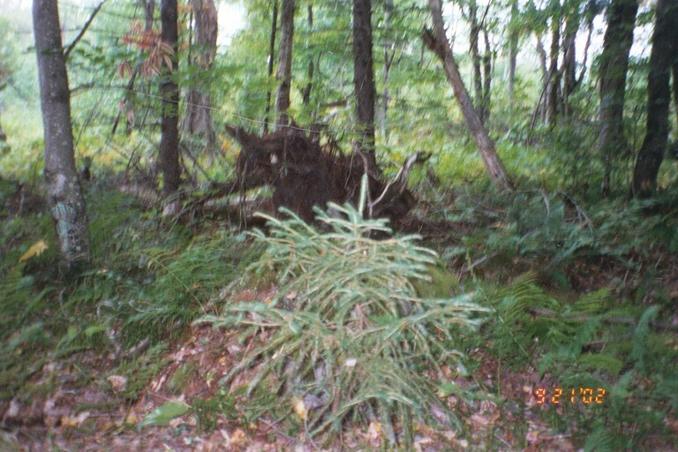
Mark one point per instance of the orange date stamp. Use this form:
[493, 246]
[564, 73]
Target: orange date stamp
[570, 396]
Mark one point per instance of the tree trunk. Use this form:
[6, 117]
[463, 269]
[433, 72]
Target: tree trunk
[168, 160]
[487, 78]
[363, 80]
[284, 75]
[554, 74]
[271, 57]
[3, 137]
[513, 53]
[437, 42]
[541, 106]
[614, 61]
[127, 102]
[389, 54]
[662, 58]
[570, 59]
[306, 94]
[198, 109]
[64, 194]
[474, 36]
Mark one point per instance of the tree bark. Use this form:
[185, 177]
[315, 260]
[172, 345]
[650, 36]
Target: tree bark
[614, 61]
[554, 82]
[126, 105]
[437, 42]
[513, 53]
[662, 58]
[64, 194]
[306, 94]
[168, 160]
[541, 106]
[474, 36]
[487, 77]
[570, 57]
[389, 54]
[363, 81]
[271, 57]
[284, 75]
[198, 109]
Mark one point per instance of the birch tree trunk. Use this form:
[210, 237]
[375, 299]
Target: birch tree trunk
[437, 42]
[64, 194]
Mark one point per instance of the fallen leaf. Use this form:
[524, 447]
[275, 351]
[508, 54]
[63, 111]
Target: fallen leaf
[36, 249]
[374, 433]
[165, 413]
[71, 422]
[118, 382]
[300, 409]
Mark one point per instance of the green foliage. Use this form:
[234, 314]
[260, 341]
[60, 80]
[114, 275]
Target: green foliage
[208, 410]
[584, 343]
[141, 370]
[347, 336]
[164, 414]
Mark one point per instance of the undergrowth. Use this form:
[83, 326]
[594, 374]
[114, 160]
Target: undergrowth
[147, 281]
[347, 337]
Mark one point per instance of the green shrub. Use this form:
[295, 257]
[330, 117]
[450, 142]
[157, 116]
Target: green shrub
[346, 335]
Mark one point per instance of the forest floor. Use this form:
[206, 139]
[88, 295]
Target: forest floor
[71, 380]
[77, 416]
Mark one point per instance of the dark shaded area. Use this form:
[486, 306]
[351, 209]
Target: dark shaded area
[304, 174]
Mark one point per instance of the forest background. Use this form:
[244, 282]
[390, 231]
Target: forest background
[532, 143]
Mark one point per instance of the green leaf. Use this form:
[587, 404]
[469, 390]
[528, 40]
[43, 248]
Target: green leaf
[165, 413]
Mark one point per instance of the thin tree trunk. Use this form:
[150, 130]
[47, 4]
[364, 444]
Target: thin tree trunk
[487, 77]
[437, 42]
[570, 60]
[198, 115]
[554, 84]
[474, 36]
[541, 106]
[513, 53]
[3, 137]
[126, 105]
[614, 61]
[198, 109]
[306, 95]
[587, 46]
[663, 57]
[389, 54]
[64, 194]
[363, 80]
[271, 57]
[284, 75]
[168, 159]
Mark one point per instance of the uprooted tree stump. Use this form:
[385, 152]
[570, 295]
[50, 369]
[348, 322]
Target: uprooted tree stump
[304, 174]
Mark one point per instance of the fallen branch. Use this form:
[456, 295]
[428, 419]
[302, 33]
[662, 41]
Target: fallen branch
[72, 45]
